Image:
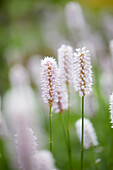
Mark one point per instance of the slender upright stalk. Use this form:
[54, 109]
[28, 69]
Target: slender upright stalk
[63, 127]
[68, 126]
[82, 140]
[50, 129]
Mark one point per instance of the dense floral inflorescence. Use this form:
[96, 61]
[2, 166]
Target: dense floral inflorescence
[82, 71]
[26, 147]
[111, 109]
[49, 80]
[90, 138]
[43, 160]
[62, 104]
[65, 61]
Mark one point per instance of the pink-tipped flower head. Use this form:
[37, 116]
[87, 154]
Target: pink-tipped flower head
[90, 138]
[82, 72]
[111, 109]
[49, 80]
[65, 61]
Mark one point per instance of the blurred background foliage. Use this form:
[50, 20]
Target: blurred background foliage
[38, 27]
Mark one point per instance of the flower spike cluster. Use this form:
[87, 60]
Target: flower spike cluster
[82, 71]
[65, 61]
[111, 109]
[62, 104]
[49, 80]
[43, 160]
[90, 138]
[26, 147]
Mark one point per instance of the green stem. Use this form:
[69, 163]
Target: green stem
[50, 129]
[64, 131]
[63, 127]
[68, 126]
[82, 141]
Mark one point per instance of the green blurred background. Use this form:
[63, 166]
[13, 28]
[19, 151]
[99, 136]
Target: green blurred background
[24, 29]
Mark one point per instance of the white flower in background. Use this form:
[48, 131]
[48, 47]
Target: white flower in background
[106, 86]
[90, 138]
[82, 72]
[19, 103]
[91, 105]
[111, 109]
[111, 50]
[107, 24]
[49, 80]
[65, 62]
[99, 44]
[111, 47]
[26, 147]
[20, 109]
[62, 104]
[98, 160]
[43, 160]
[73, 11]
[33, 66]
[18, 76]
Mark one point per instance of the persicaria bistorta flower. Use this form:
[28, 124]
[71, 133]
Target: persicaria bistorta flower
[26, 147]
[111, 109]
[62, 104]
[82, 71]
[49, 80]
[43, 160]
[90, 138]
[65, 61]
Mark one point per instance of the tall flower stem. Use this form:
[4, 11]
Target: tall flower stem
[64, 132]
[50, 129]
[68, 126]
[82, 140]
[63, 127]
